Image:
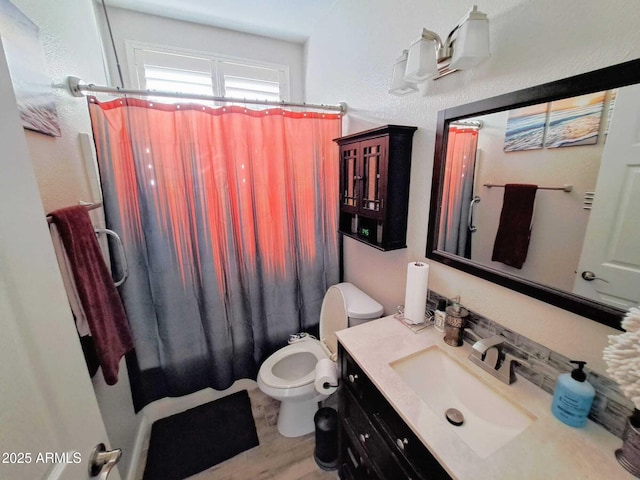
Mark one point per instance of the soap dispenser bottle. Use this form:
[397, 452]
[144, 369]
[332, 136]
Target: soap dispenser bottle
[573, 397]
[440, 315]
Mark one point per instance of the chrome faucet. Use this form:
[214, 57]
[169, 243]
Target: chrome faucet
[488, 354]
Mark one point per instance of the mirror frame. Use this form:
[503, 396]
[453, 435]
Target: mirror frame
[603, 79]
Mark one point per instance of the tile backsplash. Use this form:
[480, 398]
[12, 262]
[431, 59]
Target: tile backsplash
[610, 407]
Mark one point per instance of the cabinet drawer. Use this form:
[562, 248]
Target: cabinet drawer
[408, 446]
[359, 385]
[355, 462]
[365, 435]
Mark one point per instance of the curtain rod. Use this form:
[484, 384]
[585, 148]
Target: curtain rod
[77, 89]
[565, 188]
[467, 123]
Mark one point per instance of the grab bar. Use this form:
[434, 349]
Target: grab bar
[123, 258]
[472, 228]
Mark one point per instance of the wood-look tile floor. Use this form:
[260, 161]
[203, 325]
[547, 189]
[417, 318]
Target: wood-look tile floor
[276, 457]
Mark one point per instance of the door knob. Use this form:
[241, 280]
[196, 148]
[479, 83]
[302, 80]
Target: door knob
[401, 442]
[589, 276]
[102, 461]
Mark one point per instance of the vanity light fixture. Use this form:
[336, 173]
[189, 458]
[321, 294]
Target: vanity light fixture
[399, 86]
[429, 57]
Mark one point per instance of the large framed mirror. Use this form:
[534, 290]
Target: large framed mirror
[539, 191]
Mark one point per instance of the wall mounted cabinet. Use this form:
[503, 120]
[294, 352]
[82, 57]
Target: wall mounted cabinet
[375, 167]
[374, 441]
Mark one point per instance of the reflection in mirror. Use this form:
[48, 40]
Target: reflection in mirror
[509, 149]
[538, 191]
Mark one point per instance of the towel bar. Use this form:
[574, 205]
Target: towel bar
[565, 188]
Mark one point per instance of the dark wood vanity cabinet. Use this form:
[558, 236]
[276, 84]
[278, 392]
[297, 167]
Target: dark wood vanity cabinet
[374, 442]
[375, 167]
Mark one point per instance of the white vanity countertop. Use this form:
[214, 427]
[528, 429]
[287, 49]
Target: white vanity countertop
[547, 449]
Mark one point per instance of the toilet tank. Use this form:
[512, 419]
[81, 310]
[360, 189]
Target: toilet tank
[360, 306]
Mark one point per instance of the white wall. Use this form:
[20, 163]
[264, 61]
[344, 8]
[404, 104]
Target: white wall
[141, 27]
[72, 47]
[349, 57]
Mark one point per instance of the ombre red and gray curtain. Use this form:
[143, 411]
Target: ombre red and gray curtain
[457, 191]
[228, 217]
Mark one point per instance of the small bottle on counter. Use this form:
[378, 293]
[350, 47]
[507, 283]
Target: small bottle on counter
[573, 397]
[455, 323]
[440, 315]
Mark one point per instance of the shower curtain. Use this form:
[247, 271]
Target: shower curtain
[454, 235]
[229, 221]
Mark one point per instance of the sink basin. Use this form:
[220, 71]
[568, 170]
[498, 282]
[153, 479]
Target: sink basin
[490, 419]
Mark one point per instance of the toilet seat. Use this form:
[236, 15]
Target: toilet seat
[300, 371]
[293, 353]
[288, 375]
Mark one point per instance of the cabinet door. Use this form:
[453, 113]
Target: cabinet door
[350, 177]
[364, 436]
[374, 182]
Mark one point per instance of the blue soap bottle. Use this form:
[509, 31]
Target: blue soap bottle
[573, 397]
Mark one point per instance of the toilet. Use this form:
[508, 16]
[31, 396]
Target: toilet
[288, 375]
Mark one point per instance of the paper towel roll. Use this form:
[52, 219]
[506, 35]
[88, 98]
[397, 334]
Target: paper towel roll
[415, 298]
[326, 376]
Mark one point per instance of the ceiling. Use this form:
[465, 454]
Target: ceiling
[291, 20]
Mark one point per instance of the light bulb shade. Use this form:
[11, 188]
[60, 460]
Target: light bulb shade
[422, 61]
[398, 84]
[471, 44]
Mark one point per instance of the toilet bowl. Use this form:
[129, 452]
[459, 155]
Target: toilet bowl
[288, 375]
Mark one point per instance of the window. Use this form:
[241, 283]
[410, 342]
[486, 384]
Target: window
[164, 69]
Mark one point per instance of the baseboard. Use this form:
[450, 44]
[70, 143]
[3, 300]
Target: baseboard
[140, 443]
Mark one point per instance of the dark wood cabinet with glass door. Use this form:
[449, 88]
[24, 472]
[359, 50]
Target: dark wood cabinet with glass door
[375, 166]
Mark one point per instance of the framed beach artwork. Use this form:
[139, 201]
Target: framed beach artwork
[575, 121]
[27, 67]
[525, 128]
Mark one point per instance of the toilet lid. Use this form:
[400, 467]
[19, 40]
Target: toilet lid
[333, 317]
[359, 304]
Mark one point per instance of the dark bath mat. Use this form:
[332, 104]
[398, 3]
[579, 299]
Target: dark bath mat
[199, 438]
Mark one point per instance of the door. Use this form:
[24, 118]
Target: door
[49, 416]
[350, 176]
[609, 266]
[374, 179]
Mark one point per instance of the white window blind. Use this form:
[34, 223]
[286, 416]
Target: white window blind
[204, 75]
[246, 81]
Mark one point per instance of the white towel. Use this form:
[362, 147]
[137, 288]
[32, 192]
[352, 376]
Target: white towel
[69, 283]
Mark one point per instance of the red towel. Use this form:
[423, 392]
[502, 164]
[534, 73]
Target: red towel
[96, 290]
[514, 230]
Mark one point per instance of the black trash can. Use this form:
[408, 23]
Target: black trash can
[326, 452]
